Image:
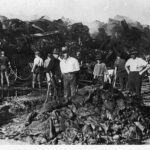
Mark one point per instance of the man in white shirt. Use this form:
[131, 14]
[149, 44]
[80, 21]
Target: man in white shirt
[69, 67]
[134, 67]
[36, 69]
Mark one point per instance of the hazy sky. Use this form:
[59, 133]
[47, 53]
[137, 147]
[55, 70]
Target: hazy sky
[80, 10]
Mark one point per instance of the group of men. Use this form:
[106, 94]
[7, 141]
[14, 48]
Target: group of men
[130, 72]
[58, 65]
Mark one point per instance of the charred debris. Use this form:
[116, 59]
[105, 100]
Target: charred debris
[93, 116]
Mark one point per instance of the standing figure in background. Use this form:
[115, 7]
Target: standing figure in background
[69, 68]
[135, 67]
[53, 72]
[100, 71]
[37, 69]
[120, 72]
[148, 68]
[4, 65]
[46, 64]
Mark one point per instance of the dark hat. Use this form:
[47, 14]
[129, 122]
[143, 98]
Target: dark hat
[64, 50]
[56, 51]
[98, 57]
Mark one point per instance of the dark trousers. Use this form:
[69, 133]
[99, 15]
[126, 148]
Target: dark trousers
[36, 76]
[100, 80]
[123, 79]
[69, 80]
[57, 85]
[134, 82]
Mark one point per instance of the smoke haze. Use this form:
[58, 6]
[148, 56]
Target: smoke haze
[84, 11]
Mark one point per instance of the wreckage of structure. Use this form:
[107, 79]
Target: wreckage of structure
[93, 116]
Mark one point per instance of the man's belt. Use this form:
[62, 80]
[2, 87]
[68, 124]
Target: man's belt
[69, 73]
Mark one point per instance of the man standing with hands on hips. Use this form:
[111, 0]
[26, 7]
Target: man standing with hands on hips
[135, 67]
[69, 67]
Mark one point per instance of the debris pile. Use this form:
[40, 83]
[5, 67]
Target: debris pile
[19, 39]
[94, 116]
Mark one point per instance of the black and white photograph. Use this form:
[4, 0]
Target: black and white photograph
[75, 72]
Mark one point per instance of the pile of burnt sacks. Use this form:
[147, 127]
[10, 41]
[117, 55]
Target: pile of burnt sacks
[93, 116]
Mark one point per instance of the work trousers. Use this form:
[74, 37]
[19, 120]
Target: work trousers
[4, 73]
[56, 84]
[36, 76]
[123, 79]
[70, 86]
[100, 81]
[134, 82]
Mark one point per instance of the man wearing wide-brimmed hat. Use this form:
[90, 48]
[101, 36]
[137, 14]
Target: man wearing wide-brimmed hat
[134, 67]
[53, 71]
[69, 67]
[36, 69]
[100, 70]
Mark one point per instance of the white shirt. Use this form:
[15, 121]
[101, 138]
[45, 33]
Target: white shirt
[69, 65]
[38, 61]
[136, 64]
[111, 72]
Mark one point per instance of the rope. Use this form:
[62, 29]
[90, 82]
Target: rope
[20, 77]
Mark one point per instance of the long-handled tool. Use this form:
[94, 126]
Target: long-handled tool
[47, 94]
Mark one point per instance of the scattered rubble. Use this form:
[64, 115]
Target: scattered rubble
[90, 118]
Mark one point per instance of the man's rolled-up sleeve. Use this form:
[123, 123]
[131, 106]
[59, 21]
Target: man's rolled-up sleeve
[143, 62]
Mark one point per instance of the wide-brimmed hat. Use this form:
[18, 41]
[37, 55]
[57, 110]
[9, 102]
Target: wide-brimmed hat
[98, 57]
[56, 51]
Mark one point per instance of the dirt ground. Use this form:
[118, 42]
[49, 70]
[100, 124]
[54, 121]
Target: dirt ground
[23, 102]
[12, 142]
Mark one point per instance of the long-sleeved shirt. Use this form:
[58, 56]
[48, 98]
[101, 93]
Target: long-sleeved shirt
[54, 66]
[100, 70]
[70, 65]
[120, 64]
